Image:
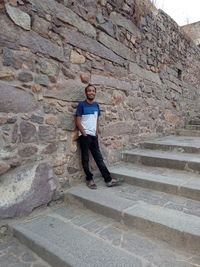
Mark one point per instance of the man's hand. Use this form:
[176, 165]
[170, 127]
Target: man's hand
[79, 126]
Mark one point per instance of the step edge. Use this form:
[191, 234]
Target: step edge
[192, 217]
[41, 248]
[122, 218]
[35, 242]
[169, 145]
[166, 155]
[152, 179]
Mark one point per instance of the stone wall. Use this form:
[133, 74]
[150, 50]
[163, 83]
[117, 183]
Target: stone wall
[145, 68]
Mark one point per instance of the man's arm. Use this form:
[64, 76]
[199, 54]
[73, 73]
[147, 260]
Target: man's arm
[79, 125]
[98, 131]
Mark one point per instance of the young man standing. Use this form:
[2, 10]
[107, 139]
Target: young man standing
[87, 121]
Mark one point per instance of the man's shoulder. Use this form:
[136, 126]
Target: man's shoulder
[81, 103]
[96, 104]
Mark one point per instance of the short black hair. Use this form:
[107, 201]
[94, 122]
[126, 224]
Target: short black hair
[89, 86]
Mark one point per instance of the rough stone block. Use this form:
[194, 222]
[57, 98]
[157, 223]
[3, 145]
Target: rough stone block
[49, 149]
[15, 135]
[48, 66]
[173, 86]
[122, 21]
[41, 26]
[15, 100]
[19, 17]
[42, 80]
[66, 15]
[76, 58]
[3, 120]
[103, 97]
[111, 82]
[85, 78]
[36, 43]
[28, 132]
[18, 59]
[70, 90]
[72, 170]
[25, 76]
[47, 133]
[117, 47]
[145, 74]
[61, 160]
[51, 120]
[68, 73]
[118, 128]
[37, 119]
[7, 75]
[25, 188]
[7, 60]
[8, 37]
[81, 41]
[67, 122]
[108, 28]
[27, 151]
[100, 19]
[12, 120]
[4, 167]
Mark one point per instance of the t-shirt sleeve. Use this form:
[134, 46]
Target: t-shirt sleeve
[99, 112]
[79, 110]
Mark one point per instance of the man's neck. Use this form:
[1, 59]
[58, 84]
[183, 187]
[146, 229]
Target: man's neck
[89, 101]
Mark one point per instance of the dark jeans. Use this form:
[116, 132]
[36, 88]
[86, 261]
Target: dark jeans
[90, 143]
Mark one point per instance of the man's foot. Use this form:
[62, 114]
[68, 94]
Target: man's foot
[114, 182]
[91, 184]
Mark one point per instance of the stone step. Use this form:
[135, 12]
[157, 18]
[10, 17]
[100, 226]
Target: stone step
[165, 159]
[178, 143]
[72, 236]
[170, 225]
[170, 181]
[62, 244]
[192, 127]
[194, 122]
[190, 133]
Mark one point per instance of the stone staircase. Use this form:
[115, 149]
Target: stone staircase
[191, 128]
[152, 219]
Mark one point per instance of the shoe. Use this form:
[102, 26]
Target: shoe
[91, 184]
[111, 184]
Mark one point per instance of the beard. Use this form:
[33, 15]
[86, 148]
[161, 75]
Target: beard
[90, 97]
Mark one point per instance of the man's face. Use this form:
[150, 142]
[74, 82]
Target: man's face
[90, 93]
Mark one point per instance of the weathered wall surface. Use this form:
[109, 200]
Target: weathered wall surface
[145, 68]
[193, 31]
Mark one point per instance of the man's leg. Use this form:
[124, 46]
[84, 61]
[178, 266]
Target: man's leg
[84, 145]
[96, 153]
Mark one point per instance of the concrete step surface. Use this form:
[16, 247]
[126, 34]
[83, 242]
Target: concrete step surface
[190, 133]
[173, 219]
[174, 143]
[152, 219]
[15, 254]
[192, 127]
[194, 122]
[162, 179]
[73, 236]
[166, 159]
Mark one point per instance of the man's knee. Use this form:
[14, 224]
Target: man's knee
[85, 160]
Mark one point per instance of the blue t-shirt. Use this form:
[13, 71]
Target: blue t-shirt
[89, 114]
